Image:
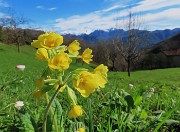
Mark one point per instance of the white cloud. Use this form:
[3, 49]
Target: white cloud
[44, 8]
[53, 8]
[2, 15]
[40, 7]
[147, 5]
[3, 4]
[106, 18]
[112, 8]
[89, 22]
[164, 19]
[82, 24]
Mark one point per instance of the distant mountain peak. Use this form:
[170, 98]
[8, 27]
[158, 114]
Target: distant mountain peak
[98, 35]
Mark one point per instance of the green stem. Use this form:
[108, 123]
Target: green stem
[90, 116]
[48, 107]
[52, 114]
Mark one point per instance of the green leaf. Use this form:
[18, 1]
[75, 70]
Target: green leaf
[129, 101]
[144, 114]
[55, 120]
[27, 123]
[72, 95]
[168, 114]
[138, 100]
[47, 88]
[51, 81]
[171, 121]
[147, 95]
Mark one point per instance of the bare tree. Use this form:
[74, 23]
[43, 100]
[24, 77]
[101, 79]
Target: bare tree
[133, 45]
[12, 22]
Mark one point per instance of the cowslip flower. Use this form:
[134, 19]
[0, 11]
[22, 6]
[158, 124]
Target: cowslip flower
[81, 130]
[101, 69]
[74, 47]
[20, 67]
[75, 111]
[86, 83]
[60, 61]
[86, 55]
[38, 94]
[101, 73]
[42, 54]
[39, 82]
[48, 41]
[19, 104]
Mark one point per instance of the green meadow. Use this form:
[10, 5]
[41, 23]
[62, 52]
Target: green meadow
[151, 104]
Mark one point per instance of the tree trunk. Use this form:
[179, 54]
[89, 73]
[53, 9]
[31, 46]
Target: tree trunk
[113, 66]
[129, 74]
[18, 47]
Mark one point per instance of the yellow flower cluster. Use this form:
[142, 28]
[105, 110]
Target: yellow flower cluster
[50, 48]
[87, 82]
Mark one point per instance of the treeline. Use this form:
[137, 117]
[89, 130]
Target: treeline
[104, 51]
[20, 36]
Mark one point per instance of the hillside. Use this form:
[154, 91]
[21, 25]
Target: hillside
[171, 44]
[165, 54]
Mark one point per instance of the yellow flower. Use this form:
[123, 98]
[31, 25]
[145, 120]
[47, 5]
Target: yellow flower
[101, 69]
[74, 47]
[86, 83]
[38, 94]
[48, 41]
[86, 55]
[75, 111]
[101, 80]
[60, 61]
[40, 82]
[42, 54]
[101, 72]
[56, 85]
[81, 130]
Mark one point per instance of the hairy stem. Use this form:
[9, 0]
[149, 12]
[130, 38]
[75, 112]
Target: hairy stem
[48, 107]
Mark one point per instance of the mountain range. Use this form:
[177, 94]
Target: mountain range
[171, 44]
[155, 36]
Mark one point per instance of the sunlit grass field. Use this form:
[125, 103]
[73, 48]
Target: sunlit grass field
[117, 107]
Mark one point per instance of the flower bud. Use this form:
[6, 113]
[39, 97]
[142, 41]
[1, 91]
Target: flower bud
[19, 104]
[20, 67]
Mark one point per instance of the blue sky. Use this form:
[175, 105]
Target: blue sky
[85, 16]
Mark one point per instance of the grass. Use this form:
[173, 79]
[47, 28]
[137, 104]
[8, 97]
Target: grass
[10, 57]
[117, 107]
[167, 76]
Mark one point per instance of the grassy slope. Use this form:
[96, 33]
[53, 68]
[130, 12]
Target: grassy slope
[9, 58]
[166, 76]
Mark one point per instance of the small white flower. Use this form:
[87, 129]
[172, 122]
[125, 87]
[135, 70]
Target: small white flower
[131, 86]
[151, 90]
[21, 81]
[20, 67]
[19, 104]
